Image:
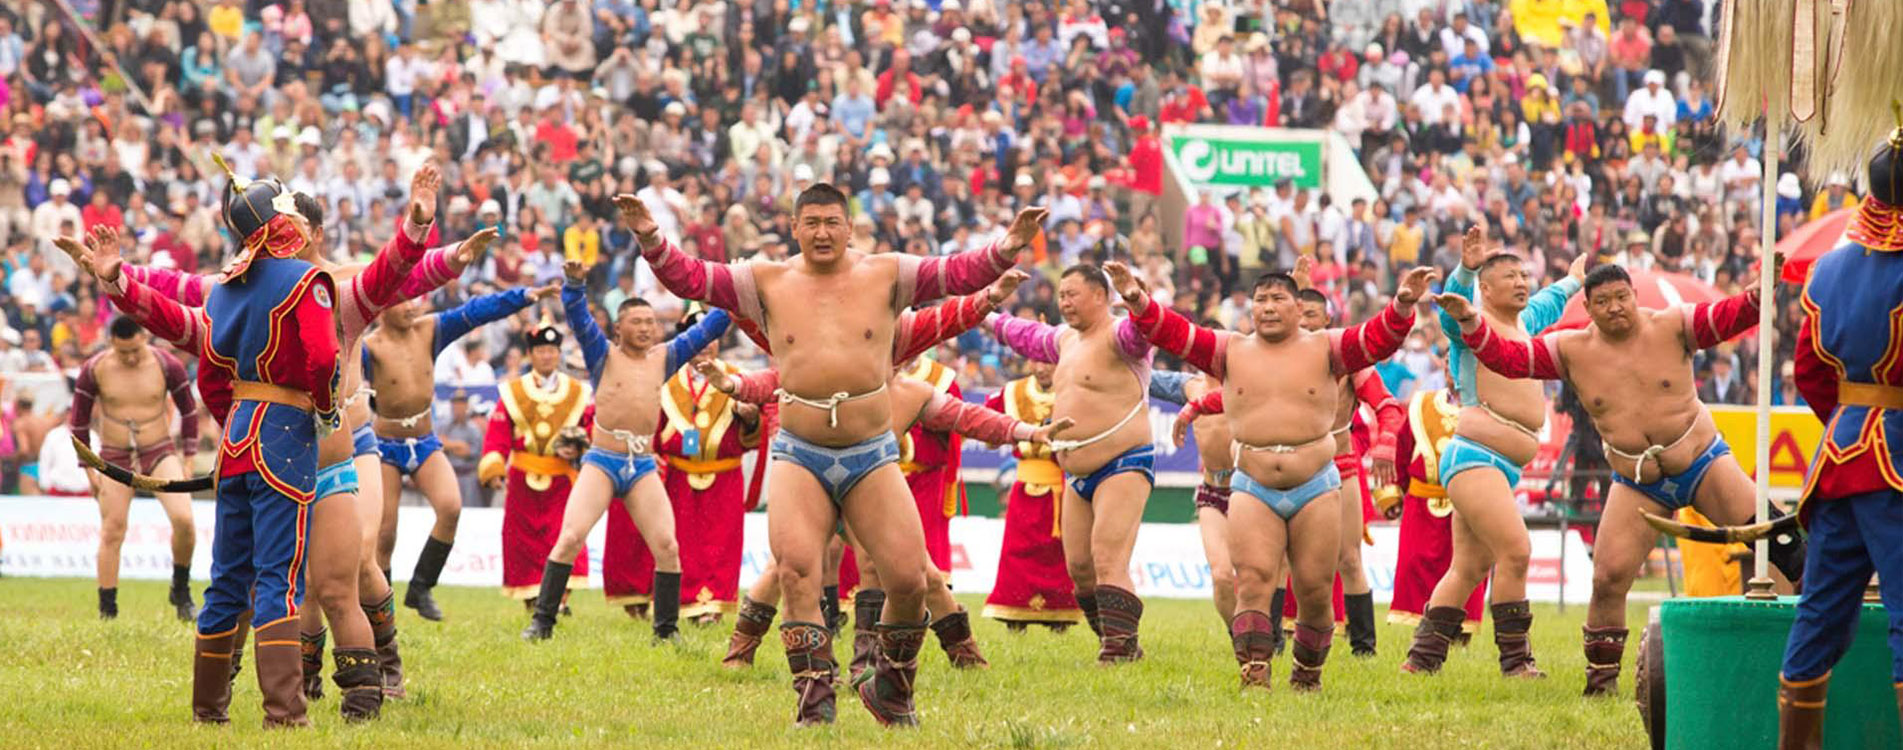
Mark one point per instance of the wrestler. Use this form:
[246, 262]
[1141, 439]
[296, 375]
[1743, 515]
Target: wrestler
[275, 403]
[129, 383]
[398, 365]
[1497, 435]
[359, 307]
[914, 403]
[1665, 451]
[1846, 369]
[1033, 585]
[915, 333]
[831, 313]
[620, 460]
[1285, 487]
[1212, 495]
[1094, 352]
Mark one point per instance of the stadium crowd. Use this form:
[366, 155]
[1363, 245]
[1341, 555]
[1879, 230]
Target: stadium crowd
[1567, 126]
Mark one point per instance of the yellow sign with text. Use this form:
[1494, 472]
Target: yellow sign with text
[1795, 433]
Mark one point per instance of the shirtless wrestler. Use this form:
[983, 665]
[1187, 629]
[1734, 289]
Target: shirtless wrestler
[831, 314]
[1284, 385]
[1665, 451]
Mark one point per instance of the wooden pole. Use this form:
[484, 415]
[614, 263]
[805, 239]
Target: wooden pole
[1760, 584]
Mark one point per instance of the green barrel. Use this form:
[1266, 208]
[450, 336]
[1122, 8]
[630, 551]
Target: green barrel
[1722, 658]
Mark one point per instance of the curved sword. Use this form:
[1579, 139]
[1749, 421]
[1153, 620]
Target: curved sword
[1723, 534]
[136, 480]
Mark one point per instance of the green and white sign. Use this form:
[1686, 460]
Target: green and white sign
[1248, 163]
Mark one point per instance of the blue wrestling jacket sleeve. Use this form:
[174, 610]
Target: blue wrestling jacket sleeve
[594, 345]
[705, 331]
[1167, 385]
[456, 323]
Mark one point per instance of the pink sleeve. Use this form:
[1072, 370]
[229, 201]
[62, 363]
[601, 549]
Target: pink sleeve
[950, 414]
[757, 387]
[929, 278]
[378, 286]
[723, 285]
[186, 327]
[1030, 339]
[188, 289]
[429, 273]
[1129, 341]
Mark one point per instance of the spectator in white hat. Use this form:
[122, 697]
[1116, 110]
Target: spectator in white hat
[57, 210]
[1654, 99]
[877, 198]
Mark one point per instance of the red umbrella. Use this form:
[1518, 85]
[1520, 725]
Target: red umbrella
[1656, 291]
[1804, 246]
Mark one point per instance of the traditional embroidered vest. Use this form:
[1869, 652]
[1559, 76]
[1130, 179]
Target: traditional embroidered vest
[1433, 418]
[1026, 402]
[539, 415]
[711, 412]
[941, 378]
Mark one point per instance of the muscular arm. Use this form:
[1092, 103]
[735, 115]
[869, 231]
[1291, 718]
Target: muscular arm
[594, 345]
[1204, 348]
[1388, 413]
[185, 327]
[180, 386]
[929, 278]
[85, 391]
[456, 323]
[1376, 339]
[1030, 339]
[920, 330]
[728, 286]
[1537, 359]
[950, 414]
[380, 285]
[1708, 324]
[1816, 376]
[683, 347]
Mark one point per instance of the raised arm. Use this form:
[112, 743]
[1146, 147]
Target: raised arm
[434, 270]
[1545, 307]
[380, 284]
[950, 414]
[594, 345]
[480, 311]
[1537, 359]
[186, 327]
[1708, 324]
[179, 385]
[1362, 346]
[187, 289]
[1030, 339]
[726, 286]
[705, 331]
[920, 330]
[1167, 329]
[929, 278]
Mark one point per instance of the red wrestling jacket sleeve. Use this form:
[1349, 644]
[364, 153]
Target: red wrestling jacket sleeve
[187, 328]
[1708, 324]
[1378, 338]
[85, 390]
[920, 330]
[1816, 377]
[1388, 413]
[1537, 359]
[1168, 330]
[317, 336]
[929, 278]
[723, 285]
[950, 414]
[756, 387]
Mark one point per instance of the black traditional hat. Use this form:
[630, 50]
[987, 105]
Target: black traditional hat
[543, 334]
[258, 212]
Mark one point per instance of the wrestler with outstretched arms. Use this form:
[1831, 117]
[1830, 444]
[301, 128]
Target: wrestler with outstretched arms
[124, 390]
[1102, 382]
[398, 365]
[1281, 410]
[1498, 434]
[1212, 495]
[917, 332]
[831, 314]
[914, 402]
[436, 267]
[1362, 387]
[334, 576]
[620, 462]
[1665, 451]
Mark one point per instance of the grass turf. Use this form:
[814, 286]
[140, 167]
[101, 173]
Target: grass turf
[72, 681]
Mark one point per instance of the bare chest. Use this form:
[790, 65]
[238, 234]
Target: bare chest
[1636, 374]
[128, 391]
[630, 389]
[1091, 362]
[1288, 374]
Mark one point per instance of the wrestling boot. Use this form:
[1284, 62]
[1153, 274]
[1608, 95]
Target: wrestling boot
[749, 628]
[1511, 623]
[212, 671]
[181, 594]
[954, 635]
[310, 650]
[866, 606]
[429, 566]
[1432, 638]
[809, 654]
[1361, 628]
[886, 688]
[280, 676]
[1088, 603]
[361, 681]
[829, 607]
[1800, 713]
[1249, 633]
[667, 607]
[383, 630]
[548, 601]
[1277, 605]
[1308, 655]
[1605, 649]
[1121, 613]
[109, 604]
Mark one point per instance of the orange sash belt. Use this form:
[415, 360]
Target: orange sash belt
[549, 466]
[246, 390]
[697, 466]
[1869, 394]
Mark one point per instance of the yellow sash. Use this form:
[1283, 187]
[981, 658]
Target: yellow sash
[548, 466]
[697, 466]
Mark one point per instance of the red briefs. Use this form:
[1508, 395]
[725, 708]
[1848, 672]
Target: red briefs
[149, 456]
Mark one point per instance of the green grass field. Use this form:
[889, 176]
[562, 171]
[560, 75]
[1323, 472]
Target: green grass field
[72, 681]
